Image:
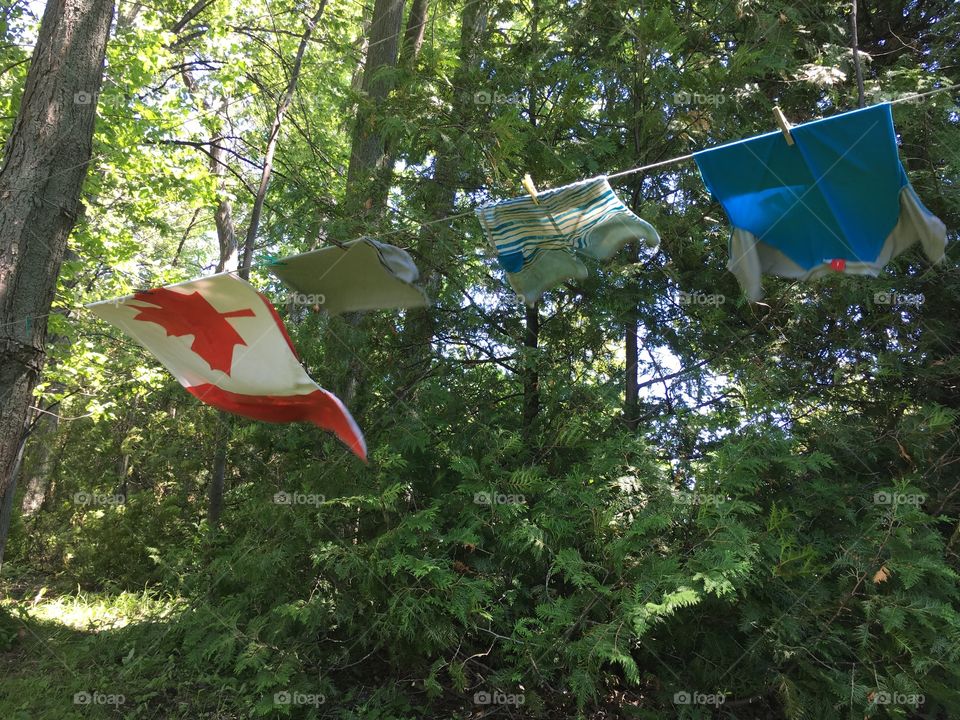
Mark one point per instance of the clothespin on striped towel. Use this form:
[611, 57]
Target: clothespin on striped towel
[530, 188]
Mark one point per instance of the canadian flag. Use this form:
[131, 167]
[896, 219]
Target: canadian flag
[227, 346]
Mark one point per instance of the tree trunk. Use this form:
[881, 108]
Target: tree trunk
[368, 151]
[531, 376]
[409, 52]
[413, 35]
[45, 162]
[227, 238]
[215, 499]
[45, 437]
[437, 241]
[223, 215]
[631, 391]
[6, 505]
[227, 242]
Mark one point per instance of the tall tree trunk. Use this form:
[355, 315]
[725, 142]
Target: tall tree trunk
[368, 152]
[45, 437]
[223, 215]
[6, 504]
[6, 510]
[631, 395]
[227, 242]
[219, 474]
[225, 233]
[413, 35]
[531, 376]
[45, 163]
[371, 156]
[437, 241]
[409, 52]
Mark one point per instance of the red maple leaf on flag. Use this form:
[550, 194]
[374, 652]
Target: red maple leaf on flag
[190, 314]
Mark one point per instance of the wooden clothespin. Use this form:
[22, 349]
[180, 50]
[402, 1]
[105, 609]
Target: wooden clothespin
[784, 124]
[531, 188]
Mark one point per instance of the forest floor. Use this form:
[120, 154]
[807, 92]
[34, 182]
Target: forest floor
[66, 653]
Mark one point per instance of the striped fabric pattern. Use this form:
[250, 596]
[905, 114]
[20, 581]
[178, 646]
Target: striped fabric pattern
[519, 229]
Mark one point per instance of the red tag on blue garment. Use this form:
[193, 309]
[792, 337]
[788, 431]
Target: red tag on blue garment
[838, 264]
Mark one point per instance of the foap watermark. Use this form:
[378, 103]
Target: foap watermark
[297, 498]
[893, 298]
[685, 97]
[85, 697]
[484, 697]
[689, 498]
[304, 299]
[495, 498]
[486, 97]
[882, 697]
[880, 96]
[892, 498]
[700, 298]
[101, 99]
[292, 697]
[85, 498]
[685, 697]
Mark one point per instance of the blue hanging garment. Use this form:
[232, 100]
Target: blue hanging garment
[837, 200]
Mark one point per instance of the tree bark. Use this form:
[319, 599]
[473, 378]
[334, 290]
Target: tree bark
[227, 243]
[439, 195]
[218, 477]
[6, 505]
[227, 238]
[368, 151]
[45, 163]
[631, 394]
[413, 35]
[7, 496]
[855, 49]
[223, 215]
[531, 376]
[409, 52]
[45, 437]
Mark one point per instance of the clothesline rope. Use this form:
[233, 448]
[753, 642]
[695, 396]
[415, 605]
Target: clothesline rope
[622, 173]
[689, 156]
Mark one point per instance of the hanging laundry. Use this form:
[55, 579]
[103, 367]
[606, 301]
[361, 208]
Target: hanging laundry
[537, 242]
[225, 343]
[838, 200]
[364, 274]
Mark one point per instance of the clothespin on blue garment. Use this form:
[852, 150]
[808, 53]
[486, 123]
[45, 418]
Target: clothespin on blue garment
[530, 188]
[784, 124]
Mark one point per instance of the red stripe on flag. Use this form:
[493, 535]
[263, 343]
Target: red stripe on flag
[322, 408]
